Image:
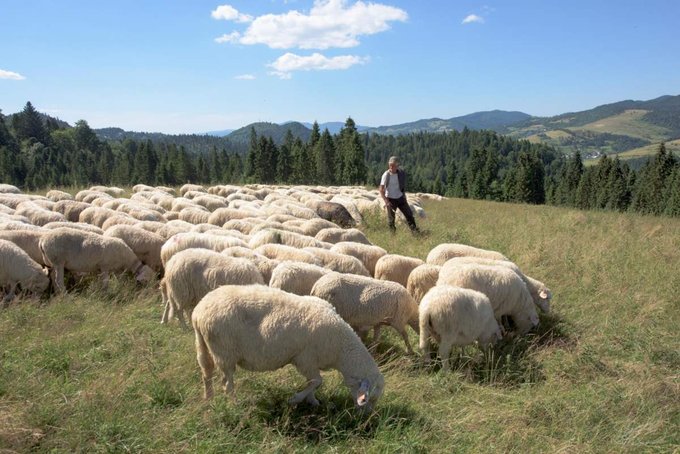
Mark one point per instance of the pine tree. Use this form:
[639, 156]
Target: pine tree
[252, 158]
[569, 181]
[315, 135]
[451, 173]
[284, 165]
[28, 125]
[672, 207]
[618, 192]
[325, 159]
[351, 155]
[648, 194]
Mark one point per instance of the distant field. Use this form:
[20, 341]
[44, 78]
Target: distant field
[94, 371]
[672, 146]
[628, 123]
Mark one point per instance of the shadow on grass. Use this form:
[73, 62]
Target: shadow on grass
[511, 362]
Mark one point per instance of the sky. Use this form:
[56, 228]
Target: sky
[192, 66]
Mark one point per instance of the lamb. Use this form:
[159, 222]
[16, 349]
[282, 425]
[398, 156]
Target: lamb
[261, 328]
[445, 251]
[187, 240]
[540, 293]
[421, 280]
[17, 268]
[146, 245]
[369, 255]
[84, 252]
[296, 277]
[192, 273]
[336, 235]
[342, 263]
[396, 268]
[506, 290]
[364, 302]
[455, 316]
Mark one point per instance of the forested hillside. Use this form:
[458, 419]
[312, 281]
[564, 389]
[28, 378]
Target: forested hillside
[38, 153]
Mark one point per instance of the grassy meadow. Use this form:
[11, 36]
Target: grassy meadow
[94, 371]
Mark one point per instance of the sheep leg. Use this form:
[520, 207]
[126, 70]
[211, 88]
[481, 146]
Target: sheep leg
[402, 331]
[313, 381]
[207, 364]
[105, 280]
[180, 317]
[57, 276]
[164, 301]
[445, 353]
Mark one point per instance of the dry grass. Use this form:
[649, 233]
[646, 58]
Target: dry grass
[94, 370]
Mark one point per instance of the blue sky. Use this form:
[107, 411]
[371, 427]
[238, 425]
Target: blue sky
[193, 66]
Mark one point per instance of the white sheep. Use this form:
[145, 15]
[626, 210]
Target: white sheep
[296, 277]
[74, 225]
[264, 264]
[187, 240]
[421, 280]
[365, 302]
[37, 214]
[276, 236]
[56, 195]
[369, 255]
[17, 268]
[311, 227]
[27, 240]
[445, 251]
[506, 290]
[396, 268]
[283, 252]
[337, 234]
[540, 293]
[192, 273]
[453, 316]
[342, 263]
[146, 245]
[71, 209]
[261, 328]
[84, 252]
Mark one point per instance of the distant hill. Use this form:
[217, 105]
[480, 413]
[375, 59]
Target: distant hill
[221, 133]
[275, 131]
[334, 127]
[610, 128]
[494, 120]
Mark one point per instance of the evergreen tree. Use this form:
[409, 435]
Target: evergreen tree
[568, 183]
[649, 189]
[28, 125]
[284, 165]
[672, 207]
[351, 154]
[325, 159]
[215, 166]
[145, 164]
[185, 169]
[252, 158]
[451, 173]
[618, 192]
[315, 135]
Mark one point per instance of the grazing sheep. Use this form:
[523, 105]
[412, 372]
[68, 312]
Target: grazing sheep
[191, 187]
[74, 225]
[275, 236]
[342, 263]
[9, 189]
[311, 227]
[261, 328]
[421, 280]
[506, 290]
[396, 268]
[264, 264]
[97, 215]
[194, 215]
[27, 240]
[84, 252]
[337, 234]
[540, 293]
[445, 251]
[146, 245]
[192, 273]
[364, 302]
[56, 196]
[283, 252]
[188, 240]
[71, 209]
[334, 212]
[17, 268]
[223, 215]
[455, 316]
[296, 277]
[119, 219]
[37, 214]
[369, 255]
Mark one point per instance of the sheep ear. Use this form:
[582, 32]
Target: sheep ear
[362, 395]
[544, 294]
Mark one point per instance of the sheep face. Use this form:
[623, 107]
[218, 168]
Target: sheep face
[365, 391]
[545, 295]
[144, 274]
[526, 321]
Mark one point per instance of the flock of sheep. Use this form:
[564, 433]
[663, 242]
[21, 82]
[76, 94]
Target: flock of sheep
[269, 275]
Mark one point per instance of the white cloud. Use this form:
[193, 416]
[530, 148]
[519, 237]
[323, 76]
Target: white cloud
[288, 63]
[228, 12]
[10, 75]
[329, 24]
[245, 77]
[473, 18]
[232, 37]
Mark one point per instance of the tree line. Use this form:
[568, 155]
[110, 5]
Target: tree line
[38, 152]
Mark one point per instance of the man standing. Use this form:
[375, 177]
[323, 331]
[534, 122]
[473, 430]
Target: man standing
[392, 190]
